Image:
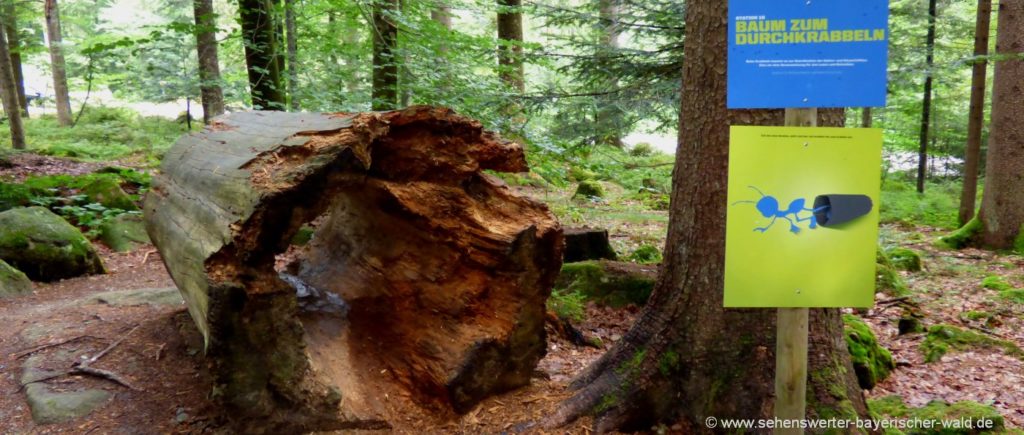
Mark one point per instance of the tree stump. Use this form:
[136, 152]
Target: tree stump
[426, 278]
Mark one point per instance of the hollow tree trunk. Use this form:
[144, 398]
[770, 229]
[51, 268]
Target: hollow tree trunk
[926, 104]
[687, 358]
[10, 95]
[385, 62]
[209, 63]
[976, 115]
[10, 13]
[1002, 204]
[425, 277]
[57, 64]
[510, 50]
[261, 57]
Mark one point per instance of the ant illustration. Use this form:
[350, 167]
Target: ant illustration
[768, 206]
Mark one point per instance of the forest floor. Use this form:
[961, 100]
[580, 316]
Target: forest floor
[154, 348]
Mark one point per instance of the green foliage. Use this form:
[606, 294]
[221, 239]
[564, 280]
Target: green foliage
[103, 134]
[996, 282]
[871, 361]
[938, 412]
[943, 338]
[646, 254]
[641, 149]
[568, 304]
[937, 207]
[598, 282]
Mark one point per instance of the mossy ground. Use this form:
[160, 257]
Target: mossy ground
[871, 361]
[941, 413]
[606, 283]
[943, 338]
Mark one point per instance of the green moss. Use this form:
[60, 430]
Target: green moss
[646, 254]
[904, 259]
[1015, 295]
[1018, 242]
[568, 304]
[107, 192]
[579, 174]
[615, 289]
[124, 232]
[938, 411]
[632, 365]
[16, 195]
[887, 278]
[976, 315]
[668, 362]
[996, 282]
[44, 246]
[943, 338]
[589, 189]
[303, 235]
[910, 321]
[871, 361]
[12, 281]
[962, 237]
[641, 149]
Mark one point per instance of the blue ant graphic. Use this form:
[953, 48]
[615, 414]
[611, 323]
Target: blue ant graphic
[768, 206]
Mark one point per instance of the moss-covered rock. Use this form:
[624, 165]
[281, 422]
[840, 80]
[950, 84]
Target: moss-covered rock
[589, 189]
[580, 174]
[107, 192]
[943, 338]
[947, 418]
[911, 322]
[44, 246]
[124, 232]
[905, 259]
[887, 278]
[871, 361]
[962, 237]
[12, 281]
[608, 282]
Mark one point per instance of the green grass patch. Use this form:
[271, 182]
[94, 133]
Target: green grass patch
[996, 282]
[568, 304]
[946, 417]
[937, 207]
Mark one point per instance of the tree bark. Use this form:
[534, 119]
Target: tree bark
[293, 48]
[926, 105]
[688, 358]
[209, 61]
[976, 116]
[510, 48]
[442, 14]
[10, 13]
[57, 64]
[865, 117]
[1002, 204]
[259, 34]
[425, 278]
[609, 117]
[9, 94]
[385, 61]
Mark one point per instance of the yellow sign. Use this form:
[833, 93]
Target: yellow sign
[802, 220]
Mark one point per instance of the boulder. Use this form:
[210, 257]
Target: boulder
[49, 407]
[12, 281]
[871, 361]
[124, 232]
[107, 192]
[44, 246]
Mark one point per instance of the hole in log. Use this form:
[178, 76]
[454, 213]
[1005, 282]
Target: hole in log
[424, 277]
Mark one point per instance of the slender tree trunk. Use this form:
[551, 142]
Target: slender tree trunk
[385, 63]
[261, 59]
[926, 105]
[209, 65]
[9, 94]
[688, 358]
[442, 14]
[10, 23]
[976, 117]
[609, 117]
[57, 65]
[510, 50]
[1002, 204]
[293, 48]
[865, 117]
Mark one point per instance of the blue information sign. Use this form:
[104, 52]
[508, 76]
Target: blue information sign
[807, 53]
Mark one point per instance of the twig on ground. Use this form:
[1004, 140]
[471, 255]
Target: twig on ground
[84, 367]
[33, 350]
[146, 257]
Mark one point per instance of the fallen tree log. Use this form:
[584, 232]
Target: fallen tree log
[425, 277]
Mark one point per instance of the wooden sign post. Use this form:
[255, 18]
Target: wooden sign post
[791, 333]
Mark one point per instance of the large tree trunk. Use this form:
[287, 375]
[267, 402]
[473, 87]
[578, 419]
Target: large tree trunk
[10, 13]
[385, 63]
[57, 65]
[976, 117]
[926, 104]
[1002, 204]
[259, 34]
[425, 279]
[687, 357]
[9, 94]
[510, 38]
[609, 116]
[293, 48]
[209, 63]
